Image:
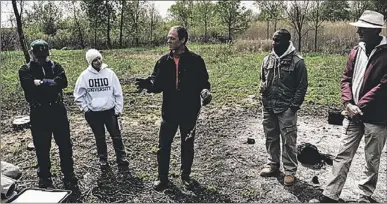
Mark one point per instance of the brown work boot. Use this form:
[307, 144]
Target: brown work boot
[269, 171]
[289, 180]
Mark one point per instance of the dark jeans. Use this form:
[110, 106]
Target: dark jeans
[167, 133]
[97, 121]
[46, 121]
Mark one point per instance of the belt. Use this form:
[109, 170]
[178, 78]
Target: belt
[38, 105]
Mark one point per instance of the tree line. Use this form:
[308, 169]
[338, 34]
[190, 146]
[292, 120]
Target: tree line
[110, 24]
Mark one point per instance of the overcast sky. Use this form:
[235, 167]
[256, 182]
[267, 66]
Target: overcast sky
[161, 6]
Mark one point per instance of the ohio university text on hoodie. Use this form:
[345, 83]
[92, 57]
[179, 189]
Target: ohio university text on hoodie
[98, 90]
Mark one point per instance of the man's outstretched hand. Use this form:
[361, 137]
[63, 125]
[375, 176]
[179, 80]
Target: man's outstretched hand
[143, 84]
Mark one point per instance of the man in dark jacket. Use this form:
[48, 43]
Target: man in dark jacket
[42, 81]
[182, 77]
[364, 95]
[283, 87]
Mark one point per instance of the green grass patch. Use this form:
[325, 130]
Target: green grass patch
[234, 75]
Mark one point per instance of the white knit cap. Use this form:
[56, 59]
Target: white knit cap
[92, 54]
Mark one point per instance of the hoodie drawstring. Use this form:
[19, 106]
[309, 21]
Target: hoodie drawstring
[276, 67]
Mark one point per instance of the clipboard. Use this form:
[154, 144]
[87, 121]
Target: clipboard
[39, 195]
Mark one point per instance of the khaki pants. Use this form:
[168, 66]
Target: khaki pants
[284, 124]
[375, 138]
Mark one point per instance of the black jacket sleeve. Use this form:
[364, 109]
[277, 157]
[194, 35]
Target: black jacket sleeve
[60, 78]
[156, 78]
[203, 75]
[27, 82]
[302, 79]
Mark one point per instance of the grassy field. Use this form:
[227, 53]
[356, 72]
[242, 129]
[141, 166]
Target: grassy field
[234, 74]
[225, 167]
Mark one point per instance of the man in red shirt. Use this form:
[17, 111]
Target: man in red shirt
[182, 77]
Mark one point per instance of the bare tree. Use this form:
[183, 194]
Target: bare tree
[182, 11]
[205, 12]
[135, 13]
[123, 7]
[358, 7]
[297, 13]
[315, 17]
[153, 18]
[20, 30]
[100, 13]
[77, 24]
[271, 11]
[108, 27]
[45, 15]
[234, 16]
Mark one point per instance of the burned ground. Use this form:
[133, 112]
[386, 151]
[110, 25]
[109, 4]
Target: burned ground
[226, 168]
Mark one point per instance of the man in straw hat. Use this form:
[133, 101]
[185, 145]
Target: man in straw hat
[364, 95]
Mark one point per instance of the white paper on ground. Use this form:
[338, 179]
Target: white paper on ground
[38, 196]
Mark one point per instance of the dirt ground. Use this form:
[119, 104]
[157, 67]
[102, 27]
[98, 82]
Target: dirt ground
[226, 168]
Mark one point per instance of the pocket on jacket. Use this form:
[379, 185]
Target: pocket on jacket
[101, 104]
[287, 67]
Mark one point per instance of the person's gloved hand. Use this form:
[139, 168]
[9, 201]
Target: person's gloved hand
[143, 83]
[206, 96]
[49, 82]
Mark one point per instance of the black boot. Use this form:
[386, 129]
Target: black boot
[122, 162]
[102, 151]
[120, 152]
[186, 180]
[46, 183]
[70, 180]
[103, 163]
[161, 184]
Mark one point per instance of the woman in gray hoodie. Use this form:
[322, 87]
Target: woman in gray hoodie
[98, 93]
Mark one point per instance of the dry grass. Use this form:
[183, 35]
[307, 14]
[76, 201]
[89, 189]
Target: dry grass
[332, 37]
[261, 45]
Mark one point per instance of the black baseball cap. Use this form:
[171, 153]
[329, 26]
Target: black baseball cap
[40, 48]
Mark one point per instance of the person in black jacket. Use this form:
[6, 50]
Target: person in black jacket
[182, 77]
[42, 81]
